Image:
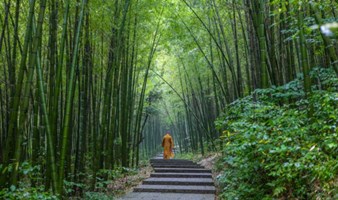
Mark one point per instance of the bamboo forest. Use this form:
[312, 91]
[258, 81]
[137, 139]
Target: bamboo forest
[88, 89]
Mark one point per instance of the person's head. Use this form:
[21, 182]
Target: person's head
[168, 132]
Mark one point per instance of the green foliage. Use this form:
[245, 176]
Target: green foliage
[25, 190]
[118, 172]
[25, 169]
[105, 177]
[97, 196]
[70, 186]
[188, 156]
[273, 149]
[27, 193]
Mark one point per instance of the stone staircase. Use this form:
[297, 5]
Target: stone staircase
[175, 179]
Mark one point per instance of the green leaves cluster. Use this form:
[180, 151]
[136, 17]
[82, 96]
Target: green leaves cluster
[26, 190]
[28, 193]
[274, 149]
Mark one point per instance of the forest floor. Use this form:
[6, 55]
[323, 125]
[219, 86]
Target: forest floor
[209, 162]
[126, 184]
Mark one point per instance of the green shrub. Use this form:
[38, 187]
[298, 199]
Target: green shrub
[27, 193]
[25, 189]
[98, 196]
[282, 145]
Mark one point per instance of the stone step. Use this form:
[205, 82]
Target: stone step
[176, 189]
[178, 181]
[166, 196]
[175, 166]
[182, 175]
[178, 164]
[170, 160]
[182, 170]
[172, 163]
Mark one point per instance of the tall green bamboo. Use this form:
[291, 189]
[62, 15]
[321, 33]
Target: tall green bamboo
[303, 53]
[36, 44]
[50, 143]
[70, 91]
[12, 129]
[154, 44]
[327, 42]
[262, 45]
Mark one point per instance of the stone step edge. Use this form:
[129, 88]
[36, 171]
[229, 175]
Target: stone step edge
[182, 170]
[176, 190]
[177, 183]
[178, 166]
[171, 160]
[181, 175]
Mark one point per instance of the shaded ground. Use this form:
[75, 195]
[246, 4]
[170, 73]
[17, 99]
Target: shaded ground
[209, 163]
[125, 185]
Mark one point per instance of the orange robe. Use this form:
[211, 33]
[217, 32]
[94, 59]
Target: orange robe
[168, 144]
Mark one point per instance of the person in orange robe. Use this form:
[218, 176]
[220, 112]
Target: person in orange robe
[168, 145]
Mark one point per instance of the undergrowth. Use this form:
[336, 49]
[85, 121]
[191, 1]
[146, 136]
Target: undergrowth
[189, 156]
[277, 144]
[31, 187]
